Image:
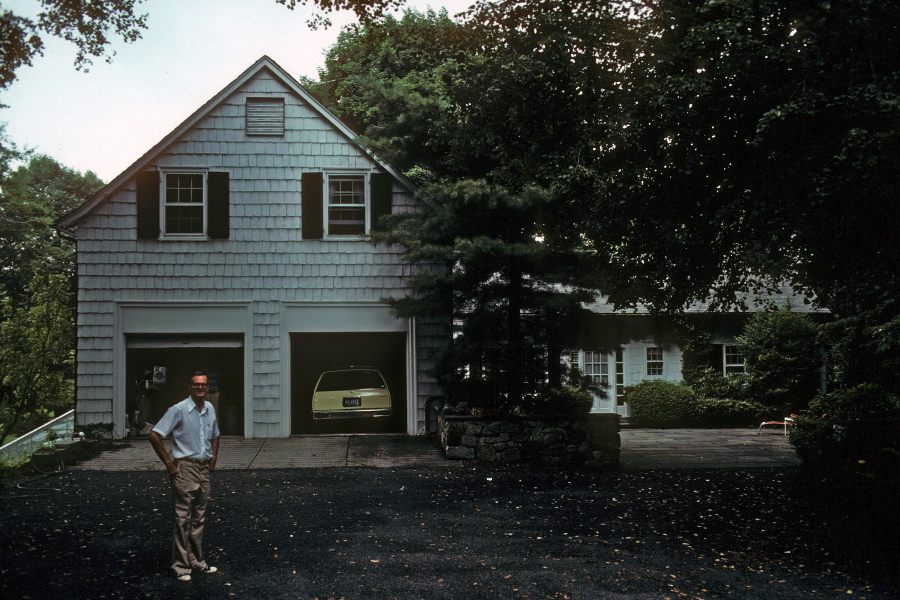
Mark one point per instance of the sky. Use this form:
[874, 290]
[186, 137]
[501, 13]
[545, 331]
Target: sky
[104, 119]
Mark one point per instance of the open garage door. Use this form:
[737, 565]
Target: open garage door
[315, 353]
[159, 367]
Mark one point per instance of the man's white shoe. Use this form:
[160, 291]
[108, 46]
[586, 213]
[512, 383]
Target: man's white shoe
[208, 569]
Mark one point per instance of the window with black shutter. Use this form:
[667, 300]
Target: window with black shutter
[183, 204]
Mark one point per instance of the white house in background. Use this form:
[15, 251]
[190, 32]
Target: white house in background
[635, 350]
[239, 245]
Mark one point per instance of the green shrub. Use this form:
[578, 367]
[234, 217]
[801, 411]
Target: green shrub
[722, 412]
[782, 359]
[865, 401]
[813, 434]
[563, 401]
[708, 382]
[568, 401]
[658, 403]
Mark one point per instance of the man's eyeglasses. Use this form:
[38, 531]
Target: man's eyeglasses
[200, 385]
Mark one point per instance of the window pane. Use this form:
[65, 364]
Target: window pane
[347, 191]
[347, 221]
[184, 188]
[654, 361]
[184, 219]
[350, 380]
[733, 355]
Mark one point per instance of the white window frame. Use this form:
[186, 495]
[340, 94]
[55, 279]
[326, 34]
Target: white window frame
[732, 365]
[163, 203]
[656, 361]
[366, 205]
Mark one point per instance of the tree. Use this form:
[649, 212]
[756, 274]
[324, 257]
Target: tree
[32, 197]
[389, 80]
[782, 356]
[760, 145]
[698, 150]
[485, 265]
[89, 25]
[444, 101]
[36, 302]
[36, 354]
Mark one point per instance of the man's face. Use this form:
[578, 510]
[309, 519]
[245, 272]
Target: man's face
[199, 386]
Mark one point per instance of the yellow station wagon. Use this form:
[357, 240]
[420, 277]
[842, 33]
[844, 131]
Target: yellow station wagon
[351, 392]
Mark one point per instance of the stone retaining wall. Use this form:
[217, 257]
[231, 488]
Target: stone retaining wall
[593, 443]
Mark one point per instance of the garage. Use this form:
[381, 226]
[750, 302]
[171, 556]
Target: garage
[312, 354]
[158, 368]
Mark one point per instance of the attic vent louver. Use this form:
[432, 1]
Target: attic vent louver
[265, 116]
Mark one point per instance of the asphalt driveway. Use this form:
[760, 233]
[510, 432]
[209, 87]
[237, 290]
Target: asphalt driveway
[443, 531]
[407, 533]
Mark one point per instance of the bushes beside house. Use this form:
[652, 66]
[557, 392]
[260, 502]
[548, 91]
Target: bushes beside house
[666, 404]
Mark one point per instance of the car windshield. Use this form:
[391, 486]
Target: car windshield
[350, 380]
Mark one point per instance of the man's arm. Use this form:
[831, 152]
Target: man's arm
[215, 454]
[157, 443]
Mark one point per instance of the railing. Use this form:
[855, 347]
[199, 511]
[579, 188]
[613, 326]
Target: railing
[20, 449]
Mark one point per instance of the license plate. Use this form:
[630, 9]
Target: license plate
[352, 402]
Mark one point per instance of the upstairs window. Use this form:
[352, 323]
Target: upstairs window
[265, 116]
[343, 205]
[654, 361]
[184, 204]
[346, 205]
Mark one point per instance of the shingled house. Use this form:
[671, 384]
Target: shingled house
[621, 348]
[239, 245]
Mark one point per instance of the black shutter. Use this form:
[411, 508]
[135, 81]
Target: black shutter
[311, 206]
[217, 220]
[382, 187]
[148, 205]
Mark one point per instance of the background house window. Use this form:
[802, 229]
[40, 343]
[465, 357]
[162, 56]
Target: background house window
[346, 205]
[184, 204]
[265, 116]
[596, 366]
[654, 361]
[733, 359]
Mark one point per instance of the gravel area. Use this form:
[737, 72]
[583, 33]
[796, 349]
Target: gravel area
[453, 533]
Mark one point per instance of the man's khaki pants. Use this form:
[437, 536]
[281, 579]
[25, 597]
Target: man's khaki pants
[190, 491]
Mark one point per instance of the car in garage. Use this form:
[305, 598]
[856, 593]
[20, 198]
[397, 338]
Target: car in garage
[351, 392]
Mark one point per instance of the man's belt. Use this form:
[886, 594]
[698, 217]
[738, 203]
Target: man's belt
[198, 461]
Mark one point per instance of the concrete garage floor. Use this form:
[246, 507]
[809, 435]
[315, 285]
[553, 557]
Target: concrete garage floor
[641, 449]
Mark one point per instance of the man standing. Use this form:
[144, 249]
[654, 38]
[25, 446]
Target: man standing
[195, 447]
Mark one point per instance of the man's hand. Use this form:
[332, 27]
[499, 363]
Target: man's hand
[157, 443]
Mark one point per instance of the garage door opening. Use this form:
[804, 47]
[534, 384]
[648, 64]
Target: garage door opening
[159, 368]
[313, 354]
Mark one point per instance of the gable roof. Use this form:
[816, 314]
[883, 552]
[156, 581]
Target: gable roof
[263, 63]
